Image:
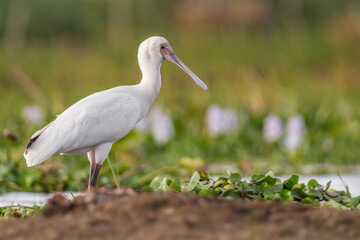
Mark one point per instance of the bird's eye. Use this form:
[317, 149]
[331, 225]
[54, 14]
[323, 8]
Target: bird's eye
[162, 47]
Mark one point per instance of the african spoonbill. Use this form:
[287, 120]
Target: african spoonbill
[94, 123]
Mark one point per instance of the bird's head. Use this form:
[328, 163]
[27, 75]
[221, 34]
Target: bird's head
[156, 50]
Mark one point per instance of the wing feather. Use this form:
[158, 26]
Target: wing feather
[101, 117]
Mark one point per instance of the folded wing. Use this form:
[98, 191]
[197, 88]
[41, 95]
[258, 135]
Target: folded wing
[99, 118]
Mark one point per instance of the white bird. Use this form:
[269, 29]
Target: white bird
[94, 123]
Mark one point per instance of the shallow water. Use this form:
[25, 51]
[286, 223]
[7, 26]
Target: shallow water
[40, 199]
[29, 199]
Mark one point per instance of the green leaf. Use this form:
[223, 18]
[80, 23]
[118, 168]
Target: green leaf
[193, 181]
[355, 201]
[206, 192]
[289, 183]
[148, 188]
[204, 175]
[270, 174]
[163, 185]
[312, 183]
[333, 194]
[176, 184]
[155, 183]
[267, 179]
[256, 177]
[314, 193]
[277, 187]
[230, 193]
[219, 183]
[264, 186]
[204, 185]
[308, 201]
[285, 195]
[298, 193]
[235, 178]
[269, 194]
[246, 187]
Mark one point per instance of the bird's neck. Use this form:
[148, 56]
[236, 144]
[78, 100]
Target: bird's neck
[151, 80]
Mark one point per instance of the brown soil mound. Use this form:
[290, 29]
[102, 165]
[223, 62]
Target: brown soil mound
[126, 214]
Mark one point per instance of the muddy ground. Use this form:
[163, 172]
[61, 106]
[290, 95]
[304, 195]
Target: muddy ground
[126, 214]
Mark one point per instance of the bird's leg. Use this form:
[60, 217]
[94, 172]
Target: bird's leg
[92, 168]
[93, 177]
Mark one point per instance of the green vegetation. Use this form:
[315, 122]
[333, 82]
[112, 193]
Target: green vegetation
[260, 187]
[19, 211]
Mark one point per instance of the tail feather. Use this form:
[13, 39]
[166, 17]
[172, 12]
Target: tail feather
[40, 146]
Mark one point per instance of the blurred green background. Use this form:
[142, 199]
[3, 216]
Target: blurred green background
[258, 57]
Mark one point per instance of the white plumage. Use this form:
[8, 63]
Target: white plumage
[95, 122]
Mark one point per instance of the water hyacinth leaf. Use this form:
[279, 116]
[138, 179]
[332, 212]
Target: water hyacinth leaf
[204, 175]
[163, 185]
[264, 186]
[235, 178]
[332, 193]
[314, 193]
[206, 192]
[148, 188]
[308, 201]
[289, 183]
[294, 178]
[177, 181]
[256, 177]
[270, 173]
[246, 187]
[268, 194]
[355, 201]
[298, 193]
[176, 184]
[285, 195]
[223, 178]
[230, 193]
[30, 212]
[217, 191]
[277, 187]
[193, 181]
[155, 183]
[204, 185]
[312, 183]
[267, 179]
[337, 199]
[219, 183]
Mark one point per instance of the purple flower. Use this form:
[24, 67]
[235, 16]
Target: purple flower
[273, 128]
[159, 124]
[143, 125]
[220, 120]
[33, 114]
[161, 127]
[295, 130]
